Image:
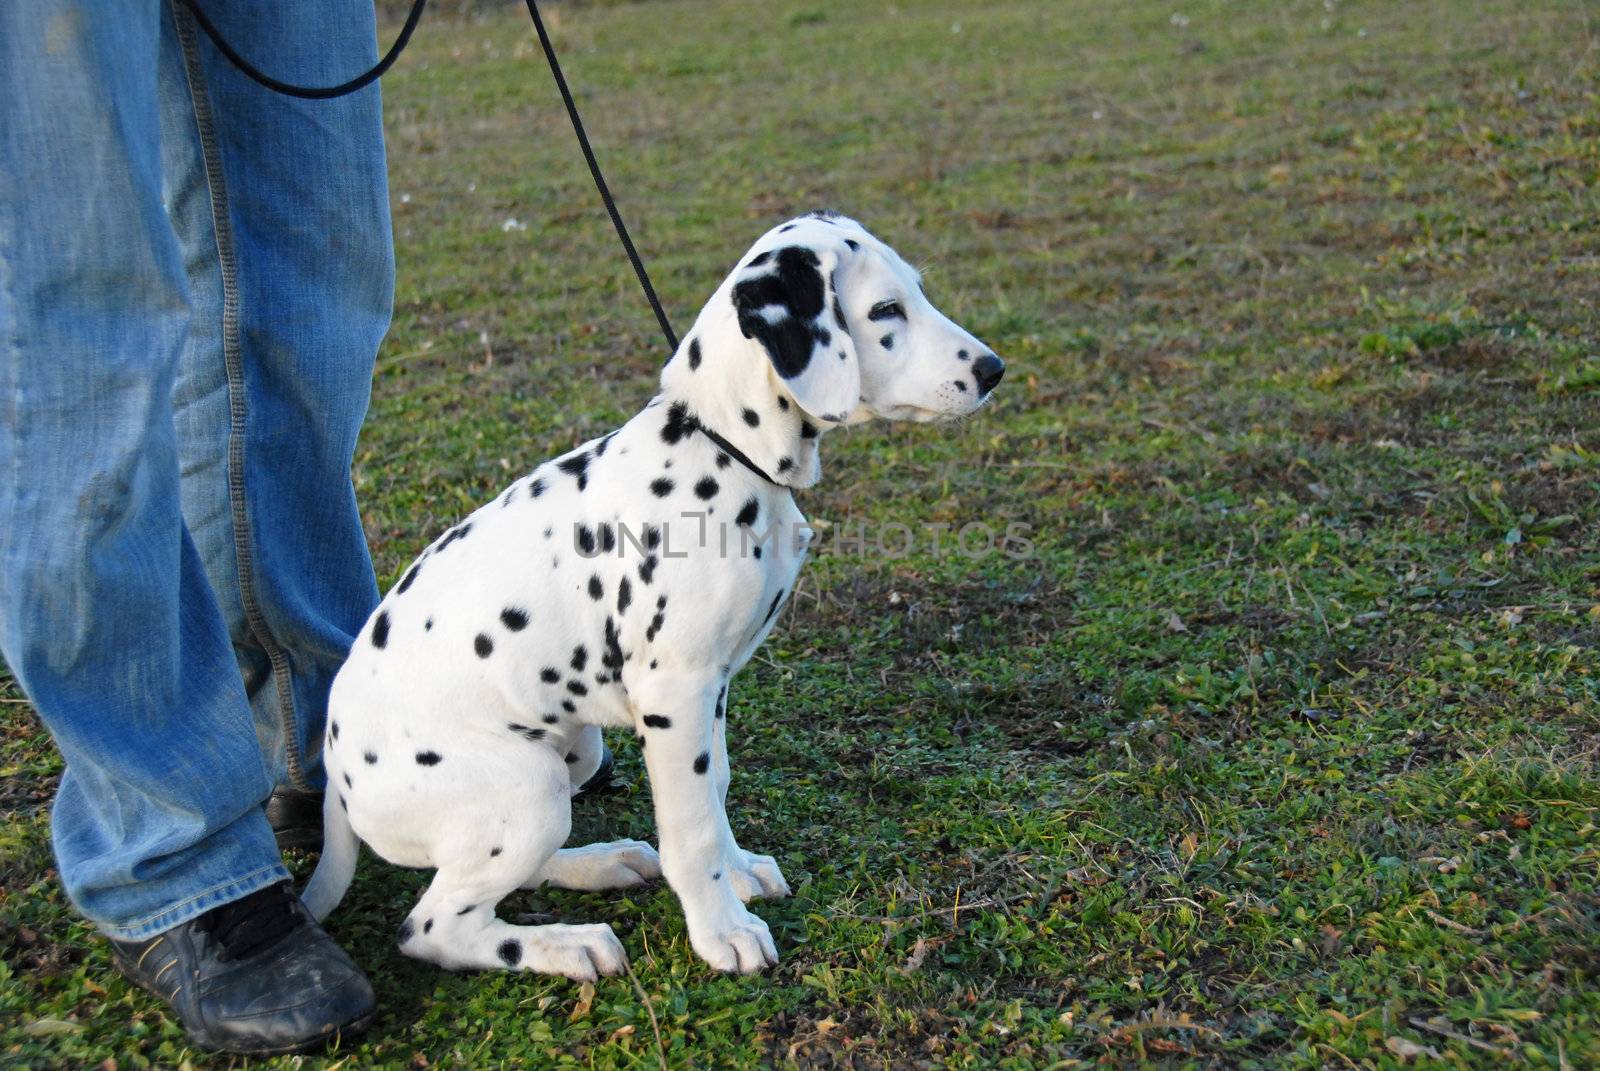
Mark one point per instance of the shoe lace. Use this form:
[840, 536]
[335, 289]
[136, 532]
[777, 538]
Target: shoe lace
[253, 923]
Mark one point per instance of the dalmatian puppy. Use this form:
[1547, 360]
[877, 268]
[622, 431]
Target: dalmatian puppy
[624, 584]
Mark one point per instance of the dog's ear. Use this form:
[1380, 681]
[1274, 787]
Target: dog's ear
[787, 300]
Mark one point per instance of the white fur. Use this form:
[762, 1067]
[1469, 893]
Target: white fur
[449, 745]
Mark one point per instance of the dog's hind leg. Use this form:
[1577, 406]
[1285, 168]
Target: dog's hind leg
[595, 867]
[503, 841]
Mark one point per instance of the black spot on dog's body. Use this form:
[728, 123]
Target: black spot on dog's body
[783, 403]
[838, 315]
[605, 441]
[652, 537]
[427, 758]
[808, 430]
[535, 488]
[647, 568]
[483, 645]
[577, 466]
[514, 619]
[705, 488]
[333, 729]
[585, 539]
[716, 875]
[580, 658]
[785, 464]
[680, 422]
[612, 658]
[370, 757]
[409, 579]
[759, 259]
[657, 721]
[577, 688]
[469, 909]
[493, 852]
[597, 590]
[347, 782]
[624, 595]
[510, 952]
[751, 417]
[569, 706]
[526, 731]
[723, 460]
[343, 806]
[550, 675]
[572, 758]
[694, 354]
[427, 626]
[960, 386]
[661, 487]
[887, 342]
[407, 928]
[505, 499]
[853, 244]
[608, 539]
[427, 927]
[458, 532]
[380, 630]
[702, 762]
[551, 719]
[722, 703]
[748, 513]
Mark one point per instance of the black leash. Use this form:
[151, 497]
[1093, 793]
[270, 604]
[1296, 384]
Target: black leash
[310, 92]
[363, 80]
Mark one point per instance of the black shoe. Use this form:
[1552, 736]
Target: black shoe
[600, 780]
[256, 976]
[296, 818]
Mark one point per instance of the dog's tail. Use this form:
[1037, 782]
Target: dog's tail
[340, 847]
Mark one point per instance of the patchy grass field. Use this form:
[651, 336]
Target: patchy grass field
[1281, 750]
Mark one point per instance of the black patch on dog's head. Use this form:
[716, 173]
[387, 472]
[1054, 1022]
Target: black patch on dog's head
[796, 285]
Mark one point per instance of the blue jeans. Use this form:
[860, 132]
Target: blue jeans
[195, 274]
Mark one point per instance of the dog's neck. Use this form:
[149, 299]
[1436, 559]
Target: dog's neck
[730, 388]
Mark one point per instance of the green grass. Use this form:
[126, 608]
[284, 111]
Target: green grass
[1280, 750]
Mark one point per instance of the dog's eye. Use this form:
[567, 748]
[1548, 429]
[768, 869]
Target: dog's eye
[887, 310]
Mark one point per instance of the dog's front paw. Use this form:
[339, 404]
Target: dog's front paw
[755, 875]
[740, 945]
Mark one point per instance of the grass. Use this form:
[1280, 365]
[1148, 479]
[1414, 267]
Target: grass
[1280, 750]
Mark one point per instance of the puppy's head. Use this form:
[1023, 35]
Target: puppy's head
[848, 330]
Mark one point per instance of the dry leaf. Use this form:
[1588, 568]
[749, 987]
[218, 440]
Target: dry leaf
[1405, 1048]
[1175, 623]
[585, 1002]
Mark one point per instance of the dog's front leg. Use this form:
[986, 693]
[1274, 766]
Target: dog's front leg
[699, 856]
[753, 875]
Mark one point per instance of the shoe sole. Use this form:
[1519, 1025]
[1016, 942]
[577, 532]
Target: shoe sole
[348, 1032]
[351, 1030]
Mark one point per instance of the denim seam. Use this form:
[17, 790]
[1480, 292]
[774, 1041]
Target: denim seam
[237, 416]
[198, 904]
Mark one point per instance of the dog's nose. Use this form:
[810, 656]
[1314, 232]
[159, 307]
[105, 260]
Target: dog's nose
[987, 370]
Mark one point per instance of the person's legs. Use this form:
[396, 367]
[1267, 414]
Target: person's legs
[283, 208]
[106, 615]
